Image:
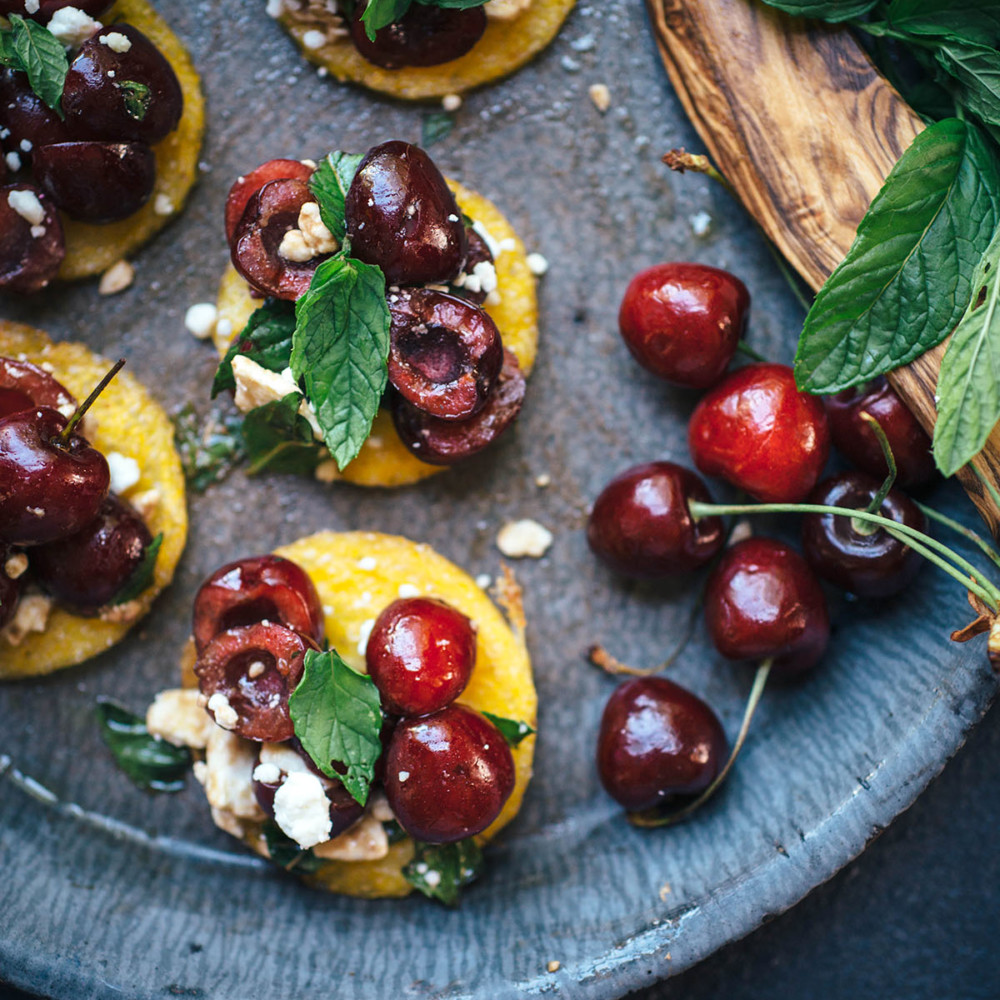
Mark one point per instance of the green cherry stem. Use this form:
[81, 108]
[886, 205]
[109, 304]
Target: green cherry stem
[653, 818]
[978, 584]
[88, 402]
[976, 539]
[890, 460]
[744, 348]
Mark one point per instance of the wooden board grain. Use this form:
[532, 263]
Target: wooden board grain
[805, 129]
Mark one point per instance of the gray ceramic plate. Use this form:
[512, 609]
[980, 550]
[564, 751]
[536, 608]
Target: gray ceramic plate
[107, 892]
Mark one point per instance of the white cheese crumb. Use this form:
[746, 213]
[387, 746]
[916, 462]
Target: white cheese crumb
[482, 279]
[525, 538]
[200, 320]
[367, 563]
[73, 27]
[433, 879]
[313, 39]
[162, 205]
[225, 715]
[32, 6]
[537, 264]
[125, 472]
[118, 277]
[408, 590]
[483, 581]
[275, 8]
[177, 717]
[37, 232]
[451, 102]
[506, 10]
[229, 764]
[267, 774]
[32, 615]
[13, 162]
[27, 205]
[145, 503]
[257, 386]
[365, 841]
[116, 41]
[402, 776]
[492, 243]
[25, 145]
[583, 44]
[302, 810]
[701, 223]
[311, 239]
[255, 670]
[543, 480]
[600, 96]
[16, 565]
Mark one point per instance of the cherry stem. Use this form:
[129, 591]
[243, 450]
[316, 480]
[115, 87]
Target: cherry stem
[980, 586]
[976, 539]
[89, 401]
[890, 460]
[744, 348]
[601, 658]
[652, 818]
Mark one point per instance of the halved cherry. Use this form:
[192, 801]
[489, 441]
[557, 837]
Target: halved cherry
[262, 588]
[479, 253]
[28, 119]
[23, 386]
[445, 442]
[247, 675]
[248, 185]
[30, 252]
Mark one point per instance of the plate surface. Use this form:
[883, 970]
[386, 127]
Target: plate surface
[109, 892]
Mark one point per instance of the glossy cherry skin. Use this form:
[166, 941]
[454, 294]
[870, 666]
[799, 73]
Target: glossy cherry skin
[256, 667]
[640, 524]
[10, 590]
[682, 322]
[28, 118]
[445, 354]
[420, 655]
[758, 432]
[85, 572]
[261, 588]
[270, 213]
[763, 600]
[46, 8]
[401, 216]
[97, 182]
[131, 96]
[869, 565]
[448, 775]
[24, 386]
[657, 740]
[445, 442]
[48, 490]
[423, 36]
[248, 185]
[29, 260]
[856, 441]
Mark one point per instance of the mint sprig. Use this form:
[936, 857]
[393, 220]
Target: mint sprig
[330, 183]
[441, 871]
[29, 48]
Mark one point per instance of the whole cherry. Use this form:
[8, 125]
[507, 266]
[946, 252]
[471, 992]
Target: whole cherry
[763, 601]
[758, 432]
[640, 524]
[858, 556]
[657, 740]
[683, 322]
[24, 386]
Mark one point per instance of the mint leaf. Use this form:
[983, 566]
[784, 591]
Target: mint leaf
[968, 387]
[380, 13]
[974, 20]
[330, 183]
[277, 438]
[37, 52]
[905, 281]
[337, 717]
[976, 70]
[826, 10]
[207, 451]
[512, 730]
[150, 762]
[436, 126]
[285, 853]
[441, 871]
[137, 98]
[341, 349]
[142, 577]
[266, 339]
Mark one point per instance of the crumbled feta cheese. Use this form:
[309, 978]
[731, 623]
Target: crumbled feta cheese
[378, 806]
[583, 44]
[433, 879]
[367, 563]
[15, 566]
[302, 810]
[537, 264]
[451, 102]
[37, 232]
[506, 10]
[267, 774]
[32, 6]
[25, 145]
[365, 841]
[408, 590]
[255, 670]
[125, 472]
[311, 239]
[73, 27]
[13, 162]
[600, 96]
[283, 757]
[200, 320]
[27, 205]
[116, 278]
[482, 279]
[32, 615]
[313, 39]
[492, 243]
[163, 205]
[483, 581]
[542, 481]
[701, 223]
[229, 765]
[176, 717]
[116, 41]
[224, 713]
[145, 503]
[257, 385]
[525, 538]
[275, 8]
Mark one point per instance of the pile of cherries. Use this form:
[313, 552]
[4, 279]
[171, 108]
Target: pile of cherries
[763, 600]
[95, 162]
[446, 770]
[82, 543]
[454, 388]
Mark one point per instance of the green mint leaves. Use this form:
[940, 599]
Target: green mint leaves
[277, 438]
[137, 97]
[381, 13]
[266, 339]
[152, 763]
[329, 184]
[441, 871]
[337, 716]
[512, 730]
[828, 10]
[142, 578]
[906, 280]
[32, 49]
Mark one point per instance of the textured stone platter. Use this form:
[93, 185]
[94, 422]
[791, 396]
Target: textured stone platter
[110, 892]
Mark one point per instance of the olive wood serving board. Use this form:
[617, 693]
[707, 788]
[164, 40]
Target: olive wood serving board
[805, 130]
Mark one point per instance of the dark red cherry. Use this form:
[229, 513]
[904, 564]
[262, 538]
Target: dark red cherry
[48, 490]
[448, 775]
[85, 572]
[30, 121]
[423, 36]
[43, 11]
[30, 253]
[445, 354]
[97, 182]
[445, 442]
[261, 588]
[641, 526]
[24, 386]
[478, 253]
[420, 655]
[249, 184]
[401, 216]
[758, 432]
[682, 322]
[10, 589]
[763, 600]
[270, 213]
[122, 96]
[250, 671]
[856, 441]
[657, 740]
[848, 553]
